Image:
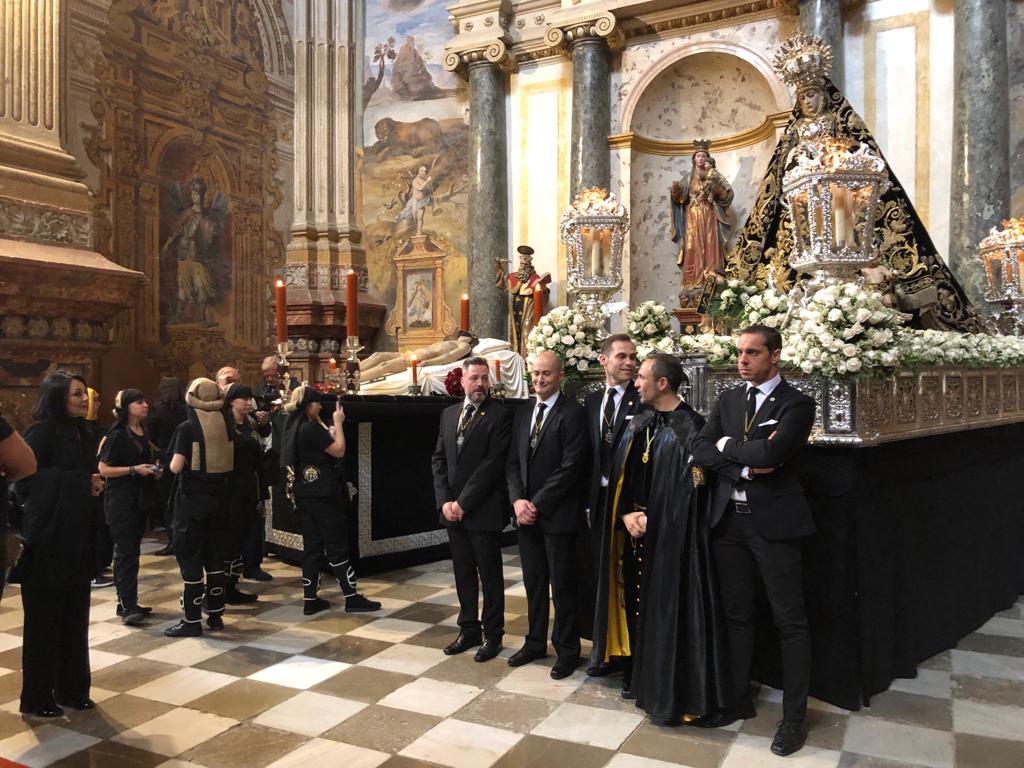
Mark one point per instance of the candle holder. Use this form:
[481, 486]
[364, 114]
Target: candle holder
[351, 371]
[499, 390]
[415, 390]
[283, 374]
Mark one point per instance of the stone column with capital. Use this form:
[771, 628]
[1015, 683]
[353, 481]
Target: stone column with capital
[824, 18]
[589, 41]
[980, 186]
[486, 66]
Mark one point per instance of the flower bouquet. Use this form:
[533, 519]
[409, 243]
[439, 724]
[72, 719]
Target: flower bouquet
[563, 332]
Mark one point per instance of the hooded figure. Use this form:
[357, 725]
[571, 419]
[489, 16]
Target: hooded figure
[202, 456]
[311, 459]
[126, 460]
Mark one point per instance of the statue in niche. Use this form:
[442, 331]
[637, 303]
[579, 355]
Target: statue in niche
[194, 248]
[521, 287]
[699, 205]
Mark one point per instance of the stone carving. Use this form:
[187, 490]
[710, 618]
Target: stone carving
[1009, 392]
[954, 397]
[992, 395]
[973, 397]
[931, 398]
[906, 400]
[32, 222]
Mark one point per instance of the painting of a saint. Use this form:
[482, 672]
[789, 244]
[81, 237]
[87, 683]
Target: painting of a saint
[419, 305]
[192, 252]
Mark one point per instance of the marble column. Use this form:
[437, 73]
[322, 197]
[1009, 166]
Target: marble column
[488, 198]
[325, 239]
[589, 156]
[824, 19]
[980, 185]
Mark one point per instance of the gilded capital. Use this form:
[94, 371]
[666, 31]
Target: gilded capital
[565, 32]
[459, 58]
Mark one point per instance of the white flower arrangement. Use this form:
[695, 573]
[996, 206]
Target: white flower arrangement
[841, 329]
[649, 322]
[768, 307]
[918, 349]
[563, 332]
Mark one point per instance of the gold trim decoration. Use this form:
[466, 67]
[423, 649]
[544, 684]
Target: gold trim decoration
[639, 143]
[563, 33]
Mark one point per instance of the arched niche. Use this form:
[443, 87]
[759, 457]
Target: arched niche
[721, 91]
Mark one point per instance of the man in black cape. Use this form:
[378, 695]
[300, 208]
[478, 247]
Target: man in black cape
[657, 599]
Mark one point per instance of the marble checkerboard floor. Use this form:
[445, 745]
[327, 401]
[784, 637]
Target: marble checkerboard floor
[279, 689]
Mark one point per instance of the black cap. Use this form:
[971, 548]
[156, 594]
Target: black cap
[236, 391]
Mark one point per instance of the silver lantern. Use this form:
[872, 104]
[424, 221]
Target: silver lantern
[1002, 257]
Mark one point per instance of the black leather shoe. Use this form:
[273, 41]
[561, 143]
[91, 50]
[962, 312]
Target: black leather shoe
[563, 668]
[461, 644]
[317, 604]
[185, 629]
[215, 622]
[359, 604]
[80, 704]
[256, 574]
[237, 597]
[132, 617]
[145, 610]
[724, 717]
[167, 550]
[628, 694]
[789, 738]
[488, 650]
[605, 668]
[524, 656]
[48, 710]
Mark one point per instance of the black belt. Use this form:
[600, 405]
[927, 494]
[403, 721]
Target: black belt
[741, 507]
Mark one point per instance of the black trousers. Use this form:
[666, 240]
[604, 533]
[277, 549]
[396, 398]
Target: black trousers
[549, 565]
[55, 644]
[478, 554]
[201, 547]
[742, 557]
[103, 544]
[324, 524]
[253, 543]
[588, 547]
[242, 517]
[127, 524]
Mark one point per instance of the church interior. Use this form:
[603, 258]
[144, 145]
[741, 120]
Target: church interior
[366, 193]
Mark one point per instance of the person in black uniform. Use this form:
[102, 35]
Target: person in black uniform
[245, 487]
[313, 454]
[609, 412]
[104, 545]
[128, 464]
[202, 458]
[545, 473]
[56, 565]
[16, 461]
[164, 417]
[752, 441]
[472, 499]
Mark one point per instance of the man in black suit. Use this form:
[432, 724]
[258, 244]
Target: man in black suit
[469, 487]
[752, 442]
[545, 475]
[609, 411]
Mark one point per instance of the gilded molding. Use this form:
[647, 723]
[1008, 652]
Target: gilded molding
[26, 221]
[565, 32]
[638, 143]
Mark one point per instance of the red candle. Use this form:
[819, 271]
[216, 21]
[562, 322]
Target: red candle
[281, 311]
[351, 304]
[464, 313]
[334, 365]
[538, 300]
[415, 364]
[497, 371]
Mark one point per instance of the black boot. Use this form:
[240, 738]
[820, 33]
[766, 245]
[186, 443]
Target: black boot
[311, 602]
[359, 604]
[191, 600]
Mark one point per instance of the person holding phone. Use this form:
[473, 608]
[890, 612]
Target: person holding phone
[128, 464]
[313, 451]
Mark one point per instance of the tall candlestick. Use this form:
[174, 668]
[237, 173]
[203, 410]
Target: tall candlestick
[538, 302]
[497, 371]
[281, 311]
[351, 304]
[415, 365]
[464, 313]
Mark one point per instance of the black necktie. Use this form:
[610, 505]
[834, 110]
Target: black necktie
[748, 420]
[535, 435]
[608, 423]
[467, 416]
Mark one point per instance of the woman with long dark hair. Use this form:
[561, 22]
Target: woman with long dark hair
[56, 565]
[313, 452]
[164, 417]
[127, 462]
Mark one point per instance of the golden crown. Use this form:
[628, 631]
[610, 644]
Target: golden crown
[803, 60]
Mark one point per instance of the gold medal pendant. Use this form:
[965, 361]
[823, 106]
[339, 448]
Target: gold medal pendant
[647, 448]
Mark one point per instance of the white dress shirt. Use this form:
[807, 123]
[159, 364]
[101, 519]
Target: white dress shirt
[621, 390]
[547, 411]
[763, 392]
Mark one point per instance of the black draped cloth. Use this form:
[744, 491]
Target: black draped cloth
[680, 666]
[932, 292]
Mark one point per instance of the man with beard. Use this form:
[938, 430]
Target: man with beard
[609, 412]
[658, 586]
[469, 487]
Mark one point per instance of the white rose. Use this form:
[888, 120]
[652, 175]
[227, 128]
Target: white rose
[850, 350]
[633, 327]
[568, 340]
[727, 294]
[807, 366]
[580, 336]
[583, 365]
[753, 317]
[853, 364]
[578, 319]
[772, 303]
[863, 315]
[547, 330]
[650, 328]
[826, 338]
[571, 361]
[835, 314]
[573, 328]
